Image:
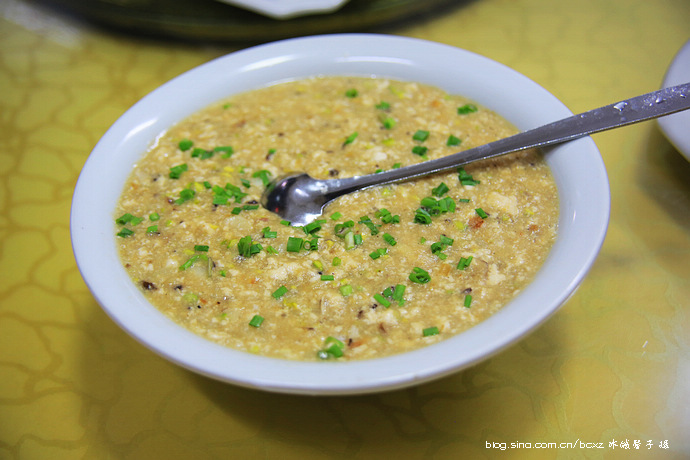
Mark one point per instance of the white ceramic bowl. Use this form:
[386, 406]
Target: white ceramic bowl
[577, 166]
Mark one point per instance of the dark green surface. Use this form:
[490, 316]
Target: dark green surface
[213, 20]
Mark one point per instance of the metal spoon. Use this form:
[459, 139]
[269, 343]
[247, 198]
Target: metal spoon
[300, 199]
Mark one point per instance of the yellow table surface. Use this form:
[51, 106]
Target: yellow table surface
[613, 365]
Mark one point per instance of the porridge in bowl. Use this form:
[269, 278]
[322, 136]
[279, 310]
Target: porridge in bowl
[385, 270]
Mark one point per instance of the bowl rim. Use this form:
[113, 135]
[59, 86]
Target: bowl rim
[582, 224]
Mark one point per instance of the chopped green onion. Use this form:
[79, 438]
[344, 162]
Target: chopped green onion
[202, 154]
[468, 300]
[465, 178]
[480, 212]
[271, 250]
[352, 92]
[336, 216]
[422, 216]
[201, 247]
[419, 150]
[382, 300]
[246, 183]
[467, 108]
[341, 230]
[280, 292]
[378, 253]
[190, 262]
[313, 227]
[332, 348]
[464, 262]
[350, 240]
[398, 293]
[383, 105]
[388, 122]
[124, 219]
[226, 151]
[386, 216]
[152, 229]
[430, 331]
[336, 261]
[357, 238]
[294, 244]
[263, 175]
[389, 239]
[420, 135]
[268, 233]
[256, 321]
[373, 228]
[125, 232]
[176, 171]
[419, 275]
[441, 190]
[453, 141]
[327, 277]
[285, 222]
[247, 248]
[346, 290]
[154, 216]
[185, 144]
[350, 139]
[185, 195]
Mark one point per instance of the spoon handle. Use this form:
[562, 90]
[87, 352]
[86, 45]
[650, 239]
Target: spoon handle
[640, 108]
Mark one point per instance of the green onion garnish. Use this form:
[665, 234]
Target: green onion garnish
[389, 239]
[352, 92]
[185, 144]
[336, 261]
[441, 190]
[430, 331]
[419, 275]
[465, 178]
[336, 216]
[263, 175]
[125, 232]
[201, 247]
[202, 154]
[294, 244]
[467, 108]
[480, 212]
[333, 348]
[420, 135]
[388, 122]
[226, 151]
[176, 171]
[383, 105]
[346, 290]
[464, 263]
[382, 300]
[373, 228]
[378, 253]
[247, 248]
[327, 277]
[453, 141]
[185, 195]
[468, 300]
[267, 233]
[350, 139]
[419, 150]
[280, 292]
[256, 321]
[152, 229]
[154, 216]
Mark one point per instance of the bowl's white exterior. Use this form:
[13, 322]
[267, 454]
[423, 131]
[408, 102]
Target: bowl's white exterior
[577, 166]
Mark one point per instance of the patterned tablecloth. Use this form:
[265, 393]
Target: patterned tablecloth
[607, 377]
